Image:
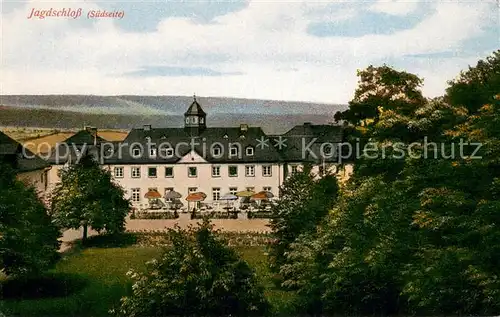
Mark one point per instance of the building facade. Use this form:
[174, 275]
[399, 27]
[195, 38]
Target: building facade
[212, 160]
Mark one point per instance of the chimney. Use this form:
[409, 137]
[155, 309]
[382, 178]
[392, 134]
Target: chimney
[93, 132]
[243, 127]
[147, 127]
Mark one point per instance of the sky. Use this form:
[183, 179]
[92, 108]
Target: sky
[282, 50]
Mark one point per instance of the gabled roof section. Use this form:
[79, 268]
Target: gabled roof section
[83, 137]
[192, 157]
[309, 142]
[195, 109]
[23, 159]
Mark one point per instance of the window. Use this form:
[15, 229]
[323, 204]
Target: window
[233, 171]
[295, 169]
[118, 172]
[215, 193]
[233, 150]
[192, 172]
[267, 170]
[169, 171]
[250, 170]
[217, 151]
[136, 152]
[136, 194]
[215, 171]
[136, 172]
[192, 190]
[166, 151]
[152, 150]
[233, 190]
[327, 150]
[249, 151]
[267, 189]
[152, 172]
[167, 189]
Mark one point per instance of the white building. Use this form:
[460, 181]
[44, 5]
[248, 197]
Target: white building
[212, 160]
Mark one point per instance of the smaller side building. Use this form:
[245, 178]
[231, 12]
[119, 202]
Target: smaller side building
[30, 168]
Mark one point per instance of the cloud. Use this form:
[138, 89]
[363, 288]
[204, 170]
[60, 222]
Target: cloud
[266, 44]
[395, 7]
[154, 71]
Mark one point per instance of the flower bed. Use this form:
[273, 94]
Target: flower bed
[154, 215]
[235, 239]
[216, 215]
[259, 215]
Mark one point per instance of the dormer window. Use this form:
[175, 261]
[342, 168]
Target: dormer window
[136, 152]
[216, 151]
[249, 151]
[233, 150]
[166, 152]
[327, 150]
[152, 150]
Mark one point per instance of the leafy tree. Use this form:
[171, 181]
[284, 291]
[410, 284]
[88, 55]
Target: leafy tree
[382, 88]
[476, 87]
[412, 234]
[88, 197]
[197, 275]
[303, 202]
[28, 238]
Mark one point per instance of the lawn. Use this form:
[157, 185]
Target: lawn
[89, 281]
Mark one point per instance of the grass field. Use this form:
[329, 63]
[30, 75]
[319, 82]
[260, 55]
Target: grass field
[41, 140]
[88, 282]
[21, 134]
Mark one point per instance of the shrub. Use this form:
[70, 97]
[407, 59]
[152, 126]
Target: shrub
[199, 275]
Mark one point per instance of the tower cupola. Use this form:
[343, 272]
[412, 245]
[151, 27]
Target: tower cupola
[195, 117]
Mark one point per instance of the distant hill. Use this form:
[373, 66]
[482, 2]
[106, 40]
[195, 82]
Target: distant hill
[125, 112]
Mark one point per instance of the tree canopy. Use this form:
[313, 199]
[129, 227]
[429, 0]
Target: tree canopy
[87, 196]
[28, 237]
[413, 233]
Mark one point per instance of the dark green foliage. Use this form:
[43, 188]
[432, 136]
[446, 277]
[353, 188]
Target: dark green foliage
[413, 235]
[47, 285]
[303, 203]
[28, 238]
[476, 87]
[88, 197]
[385, 88]
[198, 276]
